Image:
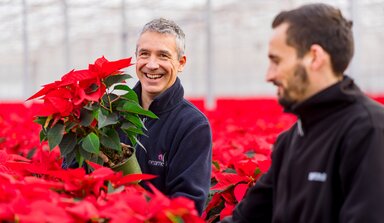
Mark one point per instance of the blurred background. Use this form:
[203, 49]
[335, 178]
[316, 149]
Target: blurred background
[227, 41]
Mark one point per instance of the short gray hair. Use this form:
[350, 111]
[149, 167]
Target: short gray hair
[166, 26]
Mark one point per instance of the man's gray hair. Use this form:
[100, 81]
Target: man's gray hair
[166, 26]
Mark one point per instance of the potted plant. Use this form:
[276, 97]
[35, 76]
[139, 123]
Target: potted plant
[85, 112]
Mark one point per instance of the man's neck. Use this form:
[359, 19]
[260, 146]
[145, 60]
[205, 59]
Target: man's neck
[322, 80]
[146, 100]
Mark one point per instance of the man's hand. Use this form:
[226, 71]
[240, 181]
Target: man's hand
[103, 157]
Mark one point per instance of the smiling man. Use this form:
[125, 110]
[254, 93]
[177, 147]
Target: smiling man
[328, 167]
[160, 57]
[178, 145]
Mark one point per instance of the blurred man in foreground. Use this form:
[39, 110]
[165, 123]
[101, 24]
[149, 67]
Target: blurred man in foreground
[329, 166]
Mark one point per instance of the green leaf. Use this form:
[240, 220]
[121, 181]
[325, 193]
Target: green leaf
[110, 188]
[137, 109]
[130, 95]
[135, 120]
[91, 107]
[174, 218]
[79, 158]
[55, 135]
[91, 88]
[85, 154]
[250, 154]
[70, 157]
[140, 144]
[114, 79]
[31, 153]
[40, 120]
[105, 120]
[67, 145]
[103, 110]
[111, 140]
[216, 164]
[257, 171]
[89, 156]
[108, 98]
[86, 117]
[123, 87]
[91, 143]
[43, 135]
[128, 127]
[132, 139]
[229, 170]
[69, 126]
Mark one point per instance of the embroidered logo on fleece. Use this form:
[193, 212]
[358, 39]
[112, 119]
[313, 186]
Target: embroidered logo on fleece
[317, 176]
[159, 161]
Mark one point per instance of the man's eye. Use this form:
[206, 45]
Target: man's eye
[143, 54]
[163, 56]
[275, 61]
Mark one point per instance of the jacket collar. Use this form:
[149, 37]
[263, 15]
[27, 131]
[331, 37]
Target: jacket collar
[325, 102]
[165, 101]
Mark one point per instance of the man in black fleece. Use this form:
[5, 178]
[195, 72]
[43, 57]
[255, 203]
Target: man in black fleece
[177, 145]
[329, 166]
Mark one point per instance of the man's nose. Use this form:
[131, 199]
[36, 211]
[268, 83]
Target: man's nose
[152, 63]
[270, 76]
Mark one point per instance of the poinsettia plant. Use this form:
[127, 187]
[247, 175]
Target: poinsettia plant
[85, 112]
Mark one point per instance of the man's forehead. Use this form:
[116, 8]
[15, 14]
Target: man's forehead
[278, 41]
[156, 38]
[280, 33]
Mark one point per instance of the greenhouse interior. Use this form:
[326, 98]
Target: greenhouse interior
[225, 78]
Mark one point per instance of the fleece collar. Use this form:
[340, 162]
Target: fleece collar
[167, 100]
[326, 102]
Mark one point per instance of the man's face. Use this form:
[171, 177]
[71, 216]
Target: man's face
[285, 70]
[157, 62]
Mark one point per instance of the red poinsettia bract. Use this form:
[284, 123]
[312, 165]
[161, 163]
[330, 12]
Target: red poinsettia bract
[78, 87]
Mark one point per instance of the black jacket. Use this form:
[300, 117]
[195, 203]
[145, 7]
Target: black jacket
[328, 167]
[178, 148]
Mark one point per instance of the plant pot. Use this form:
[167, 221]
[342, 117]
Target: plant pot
[129, 165]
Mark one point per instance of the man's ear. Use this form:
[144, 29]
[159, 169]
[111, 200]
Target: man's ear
[316, 58]
[182, 62]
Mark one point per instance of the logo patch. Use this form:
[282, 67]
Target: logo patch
[317, 176]
[159, 162]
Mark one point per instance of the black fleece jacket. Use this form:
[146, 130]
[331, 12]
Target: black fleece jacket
[328, 167]
[178, 146]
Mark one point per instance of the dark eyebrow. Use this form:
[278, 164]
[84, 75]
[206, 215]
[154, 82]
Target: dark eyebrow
[141, 50]
[165, 52]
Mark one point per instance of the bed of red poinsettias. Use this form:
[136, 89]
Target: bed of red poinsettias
[243, 134]
[34, 188]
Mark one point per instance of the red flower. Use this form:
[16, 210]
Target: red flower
[78, 87]
[103, 67]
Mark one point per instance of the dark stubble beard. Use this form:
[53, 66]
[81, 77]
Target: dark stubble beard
[297, 86]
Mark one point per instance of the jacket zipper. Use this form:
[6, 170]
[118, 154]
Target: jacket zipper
[300, 133]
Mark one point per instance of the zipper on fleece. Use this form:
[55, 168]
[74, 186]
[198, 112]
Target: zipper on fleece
[300, 133]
